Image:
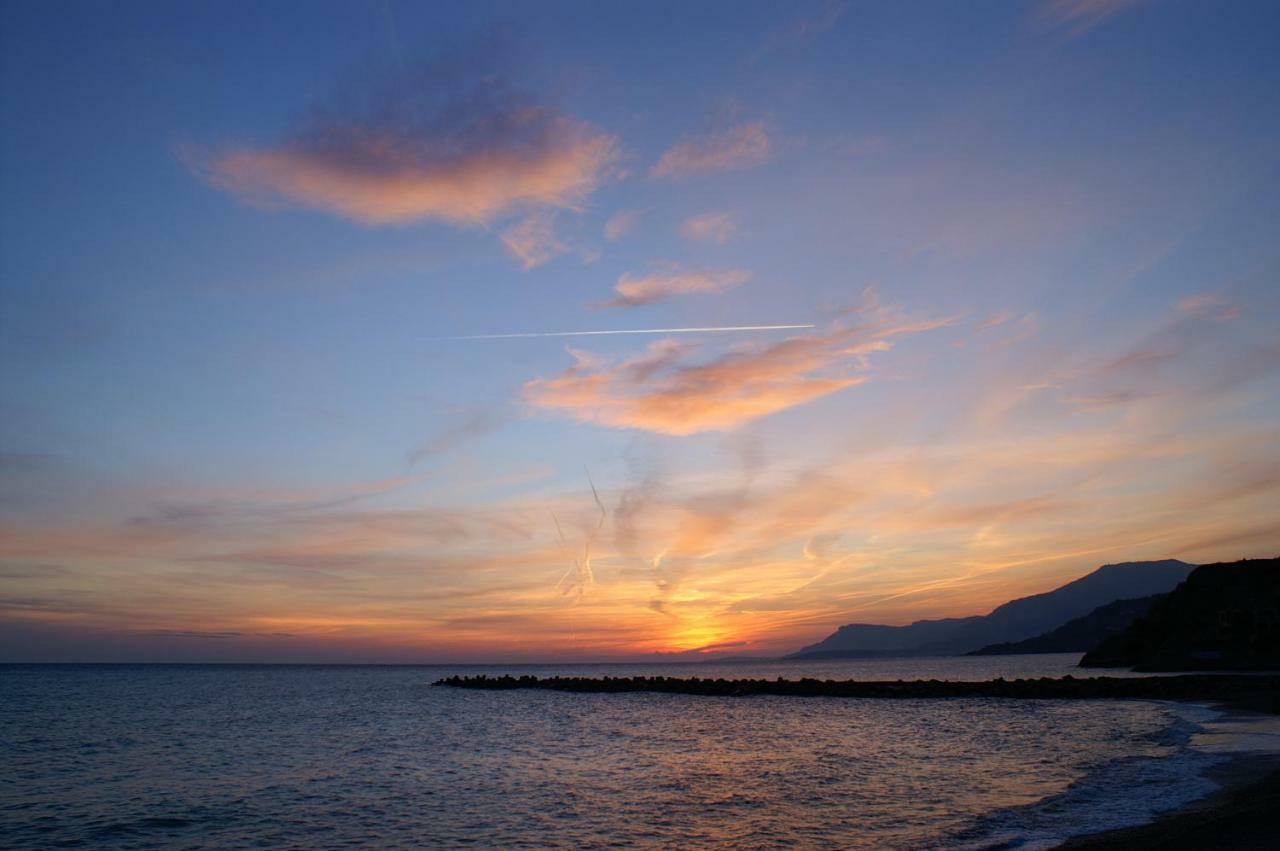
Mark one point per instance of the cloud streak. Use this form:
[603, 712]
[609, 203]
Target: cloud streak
[474, 425]
[1208, 306]
[1079, 16]
[743, 146]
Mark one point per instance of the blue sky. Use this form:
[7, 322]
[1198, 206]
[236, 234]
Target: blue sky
[1035, 241]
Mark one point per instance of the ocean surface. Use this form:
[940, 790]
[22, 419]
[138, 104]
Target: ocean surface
[346, 756]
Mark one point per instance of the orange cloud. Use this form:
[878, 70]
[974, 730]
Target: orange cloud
[636, 291]
[660, 391]
[384, 180]
[450, 144]
[743, 146]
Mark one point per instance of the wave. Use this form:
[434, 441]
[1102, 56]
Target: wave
[1114, 794]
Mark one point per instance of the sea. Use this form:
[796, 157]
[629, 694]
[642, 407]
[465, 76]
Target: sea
[261, 756]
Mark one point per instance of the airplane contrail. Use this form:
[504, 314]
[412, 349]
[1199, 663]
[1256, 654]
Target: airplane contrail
[714, 328]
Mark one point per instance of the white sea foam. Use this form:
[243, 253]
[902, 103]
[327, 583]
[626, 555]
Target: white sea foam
[1131, 790]
[1238, 733]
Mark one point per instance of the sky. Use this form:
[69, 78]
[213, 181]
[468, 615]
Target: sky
[284, 289]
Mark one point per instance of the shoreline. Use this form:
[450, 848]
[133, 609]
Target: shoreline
[1239, 815]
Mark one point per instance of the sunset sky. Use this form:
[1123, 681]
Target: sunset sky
[259, 262]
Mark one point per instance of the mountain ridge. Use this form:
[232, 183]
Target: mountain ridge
[1016, 620]
[1078, 635]
[1225, 616]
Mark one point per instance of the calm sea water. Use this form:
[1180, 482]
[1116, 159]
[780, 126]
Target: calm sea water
[327, 757]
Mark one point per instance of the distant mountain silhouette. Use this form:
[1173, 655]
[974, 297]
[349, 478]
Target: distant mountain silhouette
[1081, 634]
[1014, 621]
[1226, 616]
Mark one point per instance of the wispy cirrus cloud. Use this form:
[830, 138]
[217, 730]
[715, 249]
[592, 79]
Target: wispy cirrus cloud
[533, 240]
[1188, 359]
[259, 505]
[640, 290]
[1105, 401]
[743, 146]
[1078, 16]
[1208, 306]
[450, 142]
[813, 22]
[710, 227]
[664, 390]
[994, 321]
[473, 425]
[1004, 331]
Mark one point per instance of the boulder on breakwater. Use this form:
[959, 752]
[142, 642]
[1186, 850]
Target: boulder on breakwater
[1216, 687]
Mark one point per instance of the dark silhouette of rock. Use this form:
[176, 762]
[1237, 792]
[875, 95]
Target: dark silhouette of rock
[1081, 634]
[1224, 617]
[1014, 621]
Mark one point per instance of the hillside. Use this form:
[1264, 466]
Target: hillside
[1224, 617]
[1014, 621]
[1081, 634]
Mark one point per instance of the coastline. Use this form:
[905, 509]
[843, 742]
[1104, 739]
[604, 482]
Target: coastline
[1240, 815]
